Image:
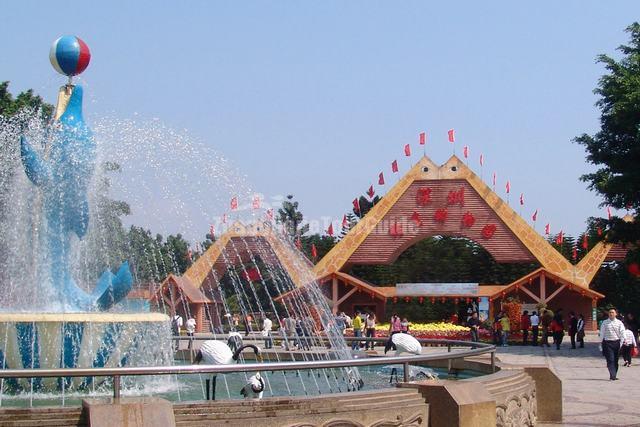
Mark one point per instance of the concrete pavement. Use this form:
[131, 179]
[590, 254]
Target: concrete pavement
[590, 399]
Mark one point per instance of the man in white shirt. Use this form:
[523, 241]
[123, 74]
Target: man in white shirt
[267, 325]
[191, 328]
[612, 333]
[535, 325]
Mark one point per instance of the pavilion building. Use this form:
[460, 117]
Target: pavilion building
[451, 200]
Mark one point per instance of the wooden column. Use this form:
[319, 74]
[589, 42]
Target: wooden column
[334, 295]
[543, 288]
[594, 315]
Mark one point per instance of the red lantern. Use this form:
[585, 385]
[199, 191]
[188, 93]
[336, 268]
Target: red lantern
[443, 300]
[407, 299]
[433, 300]
[421, 300]
[395, 300]
[456, 301]
[468, 300]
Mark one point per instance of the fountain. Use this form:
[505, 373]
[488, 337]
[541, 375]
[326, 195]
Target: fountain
[50, 317]
[71, 327]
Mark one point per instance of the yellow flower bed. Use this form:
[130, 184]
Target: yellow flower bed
[429, 327]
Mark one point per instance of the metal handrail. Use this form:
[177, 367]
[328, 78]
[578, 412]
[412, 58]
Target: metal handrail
[117, 373]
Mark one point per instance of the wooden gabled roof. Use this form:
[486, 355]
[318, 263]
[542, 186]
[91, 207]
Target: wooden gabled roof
[510, 222]
[296, 267]
[184, 285]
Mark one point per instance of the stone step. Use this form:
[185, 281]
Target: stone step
[52, 422]
[209, 413]
[333, 405]
[506, 380]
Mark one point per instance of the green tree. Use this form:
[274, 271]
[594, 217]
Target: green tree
[10, 106]
[352, 220]
[290, 216]
[615, 148]
[323, 245]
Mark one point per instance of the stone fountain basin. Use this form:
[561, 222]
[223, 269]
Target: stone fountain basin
[80, 340]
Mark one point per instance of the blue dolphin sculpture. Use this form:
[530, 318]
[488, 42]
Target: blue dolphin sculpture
[64, 177]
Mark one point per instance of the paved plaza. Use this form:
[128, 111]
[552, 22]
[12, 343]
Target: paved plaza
[590, 399]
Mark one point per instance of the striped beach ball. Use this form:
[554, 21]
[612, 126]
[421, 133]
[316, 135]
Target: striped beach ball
[69, 55]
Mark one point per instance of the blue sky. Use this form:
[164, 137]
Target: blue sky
[316, 98]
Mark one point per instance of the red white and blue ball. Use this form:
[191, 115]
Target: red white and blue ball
[69, 55]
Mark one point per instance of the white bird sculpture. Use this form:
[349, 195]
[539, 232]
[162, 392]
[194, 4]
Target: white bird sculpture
[214, 352]
[254, 388]
[403, 343]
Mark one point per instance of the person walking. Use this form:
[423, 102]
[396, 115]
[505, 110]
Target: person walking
[573, 328]
[191, 329]
[370, 326]
[525, 324]
[357, 330]
[395, 327]
[580, 328]
[535, 325]
[557, 328]
[547, 318]
[628, 344]
[632, 324]
[505, 324]
[405, 325]
[474, 326]
[612, 334]
[176, 325]
[267, 325]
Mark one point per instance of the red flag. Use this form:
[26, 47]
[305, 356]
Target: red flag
[423, 138]
[508, 186]
[575, 253]
[270, 214]
[256, 202]
[330, 230]
[416, 218]
[381, 179]
[356, 205]
[314, 251]
[481, 160]
[407, 150]
[521, 199]
[344, 221]
[251, 274]
[224, 218]
[212, 230]
[371, 192]
[189, 254]
[465, 151]
[559, 238]
[609, 212]
[547, 229]
[298, 242]
[394, 166]
[452, 135]
[234, 203]
[585, 242]
[599, 231]
[494, 179]
[534, 217]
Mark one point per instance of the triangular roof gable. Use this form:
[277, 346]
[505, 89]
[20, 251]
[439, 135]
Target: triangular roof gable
[193, 294]
[290, 260]
[454, 169]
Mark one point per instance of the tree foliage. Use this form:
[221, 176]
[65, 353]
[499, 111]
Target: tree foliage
[10, 106]
[615, 148]
[290, 216]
